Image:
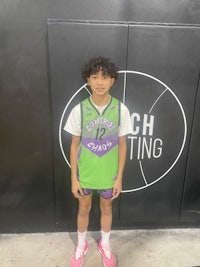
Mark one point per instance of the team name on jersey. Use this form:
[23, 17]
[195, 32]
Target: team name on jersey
[100, 121]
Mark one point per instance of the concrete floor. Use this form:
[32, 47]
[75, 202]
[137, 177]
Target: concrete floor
[134, 248]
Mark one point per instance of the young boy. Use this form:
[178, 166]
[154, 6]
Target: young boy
[98, 125]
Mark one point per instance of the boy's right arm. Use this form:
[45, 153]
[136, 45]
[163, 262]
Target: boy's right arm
[76, 187]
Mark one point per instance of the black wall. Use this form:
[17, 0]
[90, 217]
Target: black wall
[28, 190]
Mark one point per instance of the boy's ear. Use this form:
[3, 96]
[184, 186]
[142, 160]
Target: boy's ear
[112, 81]
[88, 81]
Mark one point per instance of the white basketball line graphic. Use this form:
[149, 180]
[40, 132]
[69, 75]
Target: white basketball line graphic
[184, 136]
[142, 172]
[140, 162]
[62, 117]
[124, 91]
[157, 100]
[167, 89]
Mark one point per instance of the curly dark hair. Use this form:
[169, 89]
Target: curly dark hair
[95, 65]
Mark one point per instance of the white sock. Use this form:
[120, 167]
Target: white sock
[105, 237]
[81, 238]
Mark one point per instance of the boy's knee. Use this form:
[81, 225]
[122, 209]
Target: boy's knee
[84, 206]
[106, 206]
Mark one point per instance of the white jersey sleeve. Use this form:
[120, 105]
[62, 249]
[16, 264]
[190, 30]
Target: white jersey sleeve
[73, 124]
[125, 122]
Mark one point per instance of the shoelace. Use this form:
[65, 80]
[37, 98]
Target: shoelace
[107, 251]
[79, 252]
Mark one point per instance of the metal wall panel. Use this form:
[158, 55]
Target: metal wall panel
[159, 75]
[70, 45]
[26, 175]
[169, 55]
[190, 212]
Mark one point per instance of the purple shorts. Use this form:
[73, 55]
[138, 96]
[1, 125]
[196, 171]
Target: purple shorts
[104, 193]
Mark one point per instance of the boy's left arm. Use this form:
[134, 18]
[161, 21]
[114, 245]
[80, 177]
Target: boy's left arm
[121, 162]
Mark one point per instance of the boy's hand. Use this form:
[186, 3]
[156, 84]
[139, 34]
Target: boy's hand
[76, 189]
[117, 188]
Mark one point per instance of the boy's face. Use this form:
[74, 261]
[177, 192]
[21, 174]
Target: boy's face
[100, 84]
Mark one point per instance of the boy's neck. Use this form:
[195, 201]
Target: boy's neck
[100, 100]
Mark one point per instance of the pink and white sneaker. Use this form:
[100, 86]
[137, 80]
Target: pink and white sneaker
[77, 258]
[107, 255]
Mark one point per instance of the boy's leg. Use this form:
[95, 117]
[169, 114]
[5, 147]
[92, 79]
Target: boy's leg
[85, 204]
[106, 214]
[82, 225]
[106, 222]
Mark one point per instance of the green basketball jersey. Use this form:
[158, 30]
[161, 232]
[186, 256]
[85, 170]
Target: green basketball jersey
[98, 151]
